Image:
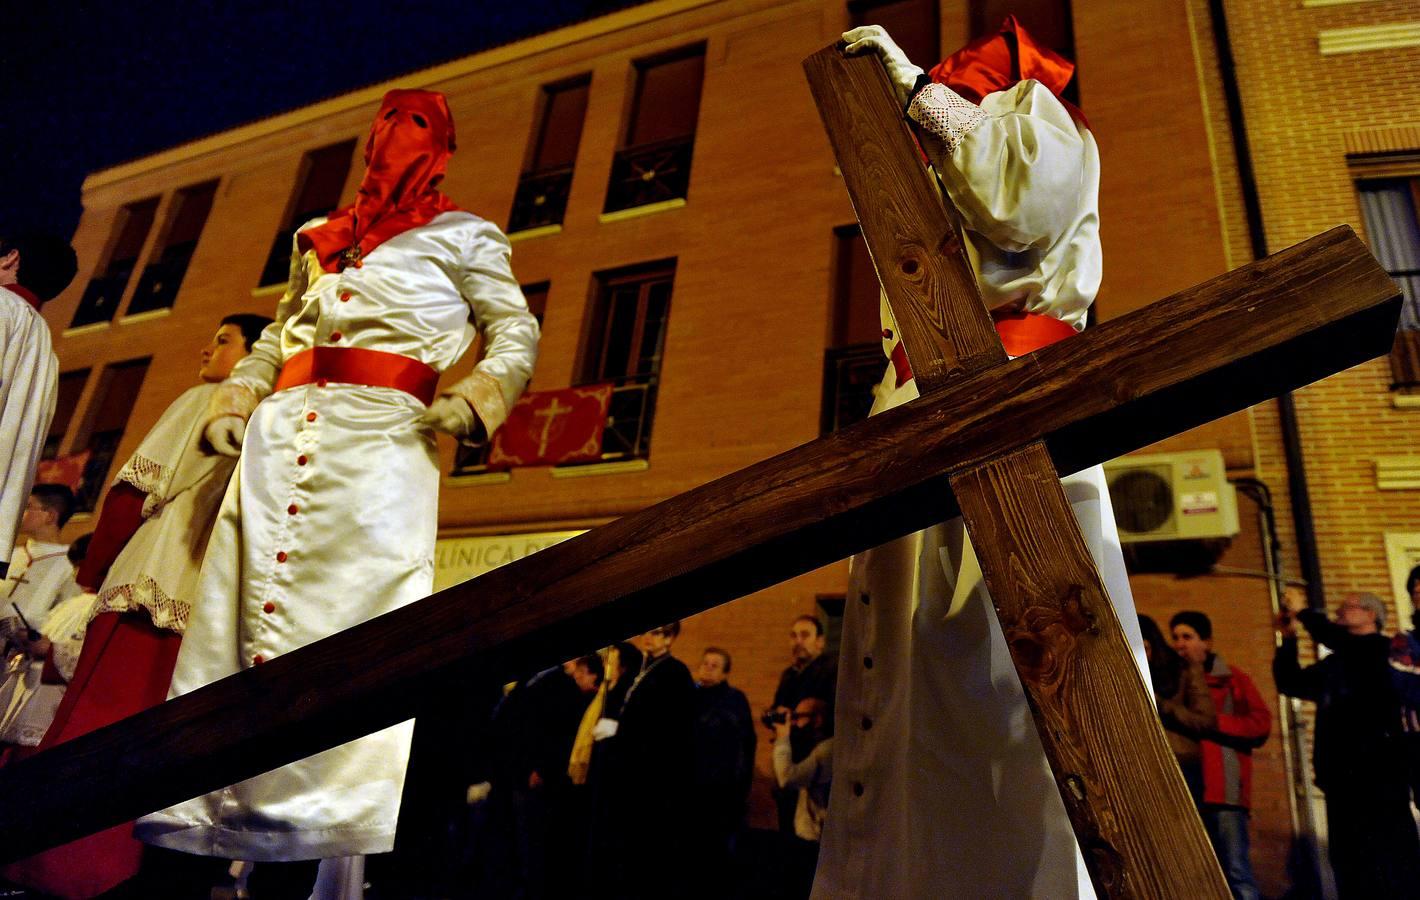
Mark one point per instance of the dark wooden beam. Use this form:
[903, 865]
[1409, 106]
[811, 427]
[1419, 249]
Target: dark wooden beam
[1136, 824]
[1277, 324]
[913, 237]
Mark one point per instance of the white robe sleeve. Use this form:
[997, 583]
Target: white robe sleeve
[510, 331]
[29, 379]
[1014, 166]
[258, 370]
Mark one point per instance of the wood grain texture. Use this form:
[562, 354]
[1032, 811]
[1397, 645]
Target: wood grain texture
[1067, 644]
[913, 237]
[1314, 309]
[1133, 816]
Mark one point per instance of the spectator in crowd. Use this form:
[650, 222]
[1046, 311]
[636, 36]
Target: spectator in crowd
[803, 764]
[1243, 725]
[1405, 677]
[533, 729]
[812, 673]
[649, 764]
[591, 766]
[1374, 848]
[724, 759]
[39, 567]
[1185, 706]
[38, 672]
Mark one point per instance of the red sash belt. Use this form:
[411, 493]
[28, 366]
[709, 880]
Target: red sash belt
[352, 365]
[1021, 333]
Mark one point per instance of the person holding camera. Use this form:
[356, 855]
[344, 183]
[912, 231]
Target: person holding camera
[1358, 762]
[812, 673]
[803, 765]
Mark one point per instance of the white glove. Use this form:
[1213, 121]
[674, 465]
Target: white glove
[225, 435]
[604, 729]
[874, 39]
[452, 415]
[477, 793]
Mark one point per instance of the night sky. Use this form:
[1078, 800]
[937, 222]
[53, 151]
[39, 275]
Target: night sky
[84, 86]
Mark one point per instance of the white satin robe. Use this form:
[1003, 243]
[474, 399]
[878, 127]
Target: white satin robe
[941, 788]
[29, 385]
[331, 517]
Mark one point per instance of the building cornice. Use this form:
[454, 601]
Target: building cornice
[368, 96]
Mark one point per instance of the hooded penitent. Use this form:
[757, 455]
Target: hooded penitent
[406, 155]
[995, 62]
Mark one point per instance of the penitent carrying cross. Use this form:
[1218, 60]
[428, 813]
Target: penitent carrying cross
[987, 436]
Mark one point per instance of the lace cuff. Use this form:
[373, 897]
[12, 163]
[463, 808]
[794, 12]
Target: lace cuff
[945, 114]
[231, 399]
[485, 395]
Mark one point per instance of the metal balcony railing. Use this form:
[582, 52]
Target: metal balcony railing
[541, 199]
[650, 173]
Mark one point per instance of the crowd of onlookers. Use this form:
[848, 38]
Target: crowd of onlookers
[625, 774]
[1366, 756]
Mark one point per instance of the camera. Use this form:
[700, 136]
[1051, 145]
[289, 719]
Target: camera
[774, 717]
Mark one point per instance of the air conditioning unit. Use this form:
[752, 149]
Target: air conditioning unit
[1172, 496]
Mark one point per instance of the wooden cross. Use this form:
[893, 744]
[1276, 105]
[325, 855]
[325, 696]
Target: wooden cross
[1271, 326]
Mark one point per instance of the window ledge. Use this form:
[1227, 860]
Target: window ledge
[618, 467]
[528, 234]
[1405, 401]
[145, 316]
[268, 290]
[76, 330]
[636, 212]
[480, 479]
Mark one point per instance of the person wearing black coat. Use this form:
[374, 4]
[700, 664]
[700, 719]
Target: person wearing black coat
[649, 766]
[1373, 844]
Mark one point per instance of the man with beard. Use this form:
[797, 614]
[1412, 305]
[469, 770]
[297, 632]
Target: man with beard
[803, 763]
[330, 518]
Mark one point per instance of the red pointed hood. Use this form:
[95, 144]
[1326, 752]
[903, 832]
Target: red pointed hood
[406, 156]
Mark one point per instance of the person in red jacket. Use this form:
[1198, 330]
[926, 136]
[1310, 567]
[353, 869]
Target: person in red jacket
[1244, 723]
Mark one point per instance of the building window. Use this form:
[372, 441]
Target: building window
[105, 290]
[162, 276]
[474, 460]
[653, 164]
[109, 409]
[319, 184]
[913, 25]
[625, 340]
[71, 387]
[1389, 206]
[541, 199]
[853, 363]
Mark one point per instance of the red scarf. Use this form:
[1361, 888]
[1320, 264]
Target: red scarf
[26, 295]
[406, 154]
[998, 61]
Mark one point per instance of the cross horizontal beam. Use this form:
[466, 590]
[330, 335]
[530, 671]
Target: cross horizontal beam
[1274, 325]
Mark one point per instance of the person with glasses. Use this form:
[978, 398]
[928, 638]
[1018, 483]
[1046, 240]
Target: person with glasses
[1358, 760]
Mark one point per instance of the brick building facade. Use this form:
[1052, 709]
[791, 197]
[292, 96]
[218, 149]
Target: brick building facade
[735, 261]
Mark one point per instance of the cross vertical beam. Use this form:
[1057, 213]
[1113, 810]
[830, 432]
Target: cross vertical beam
[1131, 812]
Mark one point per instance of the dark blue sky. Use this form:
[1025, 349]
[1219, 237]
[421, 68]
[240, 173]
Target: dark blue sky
[84, 86]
